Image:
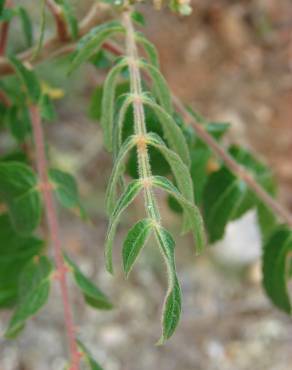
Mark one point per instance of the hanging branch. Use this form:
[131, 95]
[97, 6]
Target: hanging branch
[53, 47]
[52, 220]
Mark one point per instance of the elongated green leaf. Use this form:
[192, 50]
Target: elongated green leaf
[28, 78]
[69, 16]
[26, 25]
[93, 41]
[171, 130]
[33, 293]
[172, 306]
[134, 242]
[178, 168]
[92, 295]
[222, 197]
[18, 189]
[107, 105]
[160, 87]
[266, 219]
[120, 120]
[149, 48]
[125, 200]
[66, 189]
[15, 252]
[93, 365]
[117, 171]
[276, 261]
[193, 213]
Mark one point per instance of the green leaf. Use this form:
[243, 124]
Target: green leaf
[95, 103]
[160, 87]
[120, 121]
[222, 197]
[193, 213]
[66, 189]
[276, 261]
[171, 130]
[138, 18]
[134, 242]
[93, 365]
[93, 41]
[26, 25]
[200, 156]
[117, 171]
[266, 219]
[18, 189]
[149, 48]
[47, 108]
[69, 16]
[33, 293]
[178, 168]
[18, 121]
[108, 99]
[172, 306]
[92, 295]
[28, 78]
[125, 200]
[15, 252]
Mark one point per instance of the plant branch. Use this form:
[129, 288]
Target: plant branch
[139, 119]
[61, 25]
[53, 47]
[52, 220]
[4, 31]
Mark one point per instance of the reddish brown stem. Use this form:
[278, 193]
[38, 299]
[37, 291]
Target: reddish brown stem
[4, 31]
[52, 220]
[61, 25]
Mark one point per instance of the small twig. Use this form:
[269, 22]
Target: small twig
[52, 220]
[62, 30]
[4, 31]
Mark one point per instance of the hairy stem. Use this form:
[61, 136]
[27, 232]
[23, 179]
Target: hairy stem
[139, 119]
[52, 220]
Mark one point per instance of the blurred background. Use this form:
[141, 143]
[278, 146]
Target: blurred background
[231, 61]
